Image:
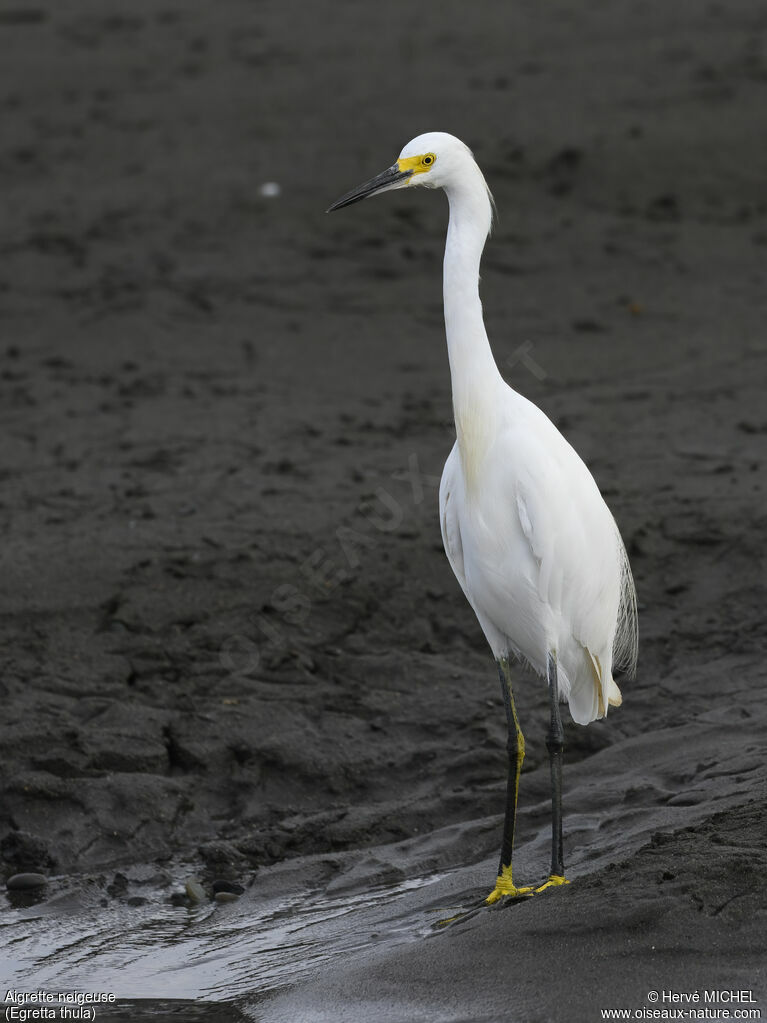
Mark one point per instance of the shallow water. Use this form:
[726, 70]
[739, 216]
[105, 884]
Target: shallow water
[303, 920]
[208, 951]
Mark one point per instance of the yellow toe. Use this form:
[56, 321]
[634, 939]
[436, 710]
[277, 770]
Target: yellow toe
[554, 881]
[504, 886]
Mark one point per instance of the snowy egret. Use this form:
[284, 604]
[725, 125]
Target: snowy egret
[526, 531]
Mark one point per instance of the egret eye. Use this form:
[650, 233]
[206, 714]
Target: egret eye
[428, 160]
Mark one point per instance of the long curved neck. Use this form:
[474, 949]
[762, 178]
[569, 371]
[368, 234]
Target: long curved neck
[474, 374]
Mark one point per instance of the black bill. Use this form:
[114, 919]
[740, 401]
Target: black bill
[379, 183]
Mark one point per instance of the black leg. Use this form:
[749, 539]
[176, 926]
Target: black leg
[555, 744]
[515, 746]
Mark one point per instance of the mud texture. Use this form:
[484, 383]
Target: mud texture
[227, 627]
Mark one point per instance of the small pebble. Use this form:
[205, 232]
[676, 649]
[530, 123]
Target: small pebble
[195, 890]
[222, 885]
[226, 897]
[23, 882]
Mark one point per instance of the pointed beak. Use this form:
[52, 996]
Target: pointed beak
[391, 178]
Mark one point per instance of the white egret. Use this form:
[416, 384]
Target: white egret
[526, 531]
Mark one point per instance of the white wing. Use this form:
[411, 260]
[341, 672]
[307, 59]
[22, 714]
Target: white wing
[448, 517]
[539, 558]
[583, 572]
[452, 497]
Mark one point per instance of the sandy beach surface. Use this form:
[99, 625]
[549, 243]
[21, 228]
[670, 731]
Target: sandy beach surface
[232, 647]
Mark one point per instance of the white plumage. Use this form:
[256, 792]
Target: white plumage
[539, 556]
[527, 532]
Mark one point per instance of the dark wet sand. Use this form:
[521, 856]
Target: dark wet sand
[228, 630]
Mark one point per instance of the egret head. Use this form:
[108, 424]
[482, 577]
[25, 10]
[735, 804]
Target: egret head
[434, 160]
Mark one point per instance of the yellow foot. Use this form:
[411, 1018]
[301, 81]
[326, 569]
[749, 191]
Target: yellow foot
[504, 886]
[554, 881]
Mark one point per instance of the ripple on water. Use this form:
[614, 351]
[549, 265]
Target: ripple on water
[206, 951]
